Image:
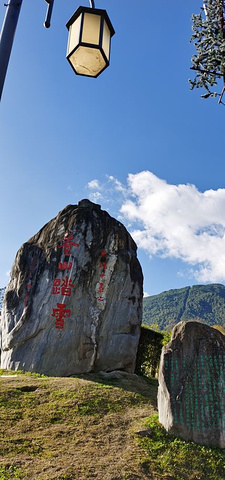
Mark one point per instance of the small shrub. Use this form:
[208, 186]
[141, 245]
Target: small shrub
[149, 350]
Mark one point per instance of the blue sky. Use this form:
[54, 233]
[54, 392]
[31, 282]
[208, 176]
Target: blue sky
[136, 139]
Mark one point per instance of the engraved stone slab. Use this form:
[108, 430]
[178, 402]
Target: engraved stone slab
[191, 393]
[74, 301]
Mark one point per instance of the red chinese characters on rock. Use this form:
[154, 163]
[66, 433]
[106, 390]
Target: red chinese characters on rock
[103, 267]
[65, 265]
[68, 243]
[59, 314]
[62, 286]
[25, 303]
[102, 263]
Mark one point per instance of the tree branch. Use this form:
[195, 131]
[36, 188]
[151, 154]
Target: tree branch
[206, 71]
[221, 96]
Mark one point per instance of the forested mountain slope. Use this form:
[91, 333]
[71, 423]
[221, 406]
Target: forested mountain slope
[200, 302]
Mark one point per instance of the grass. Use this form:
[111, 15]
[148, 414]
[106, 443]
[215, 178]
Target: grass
[86, 428]
[180, 459]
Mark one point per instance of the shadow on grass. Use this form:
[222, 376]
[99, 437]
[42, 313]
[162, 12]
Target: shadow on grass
[144, 386]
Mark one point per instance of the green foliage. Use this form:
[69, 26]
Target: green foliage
[166, 337]
[22, 372]
[149, 350]
[11, 472]
[209, 40]
[182, 460]
[204, 303]
[164, 309]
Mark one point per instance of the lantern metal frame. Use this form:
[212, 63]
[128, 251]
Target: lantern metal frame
[104, 17]
[8, 30]
[47, 22]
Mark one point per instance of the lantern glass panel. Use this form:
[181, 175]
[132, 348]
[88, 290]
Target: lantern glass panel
[106, 40]
[87, 61]
[74, 35]
[91, 29]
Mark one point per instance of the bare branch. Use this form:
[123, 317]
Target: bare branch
[221, 96]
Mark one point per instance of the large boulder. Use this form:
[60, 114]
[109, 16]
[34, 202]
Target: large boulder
[74, 301]
[191, 394]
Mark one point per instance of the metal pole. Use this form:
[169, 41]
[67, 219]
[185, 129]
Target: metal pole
[7, 37]
[92, 3]
[47, 22]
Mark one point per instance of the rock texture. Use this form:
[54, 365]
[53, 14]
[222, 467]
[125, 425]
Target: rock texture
[2, 292]
[191, 394]
[73, 304]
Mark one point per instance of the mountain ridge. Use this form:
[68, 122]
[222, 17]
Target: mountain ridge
[204, 303]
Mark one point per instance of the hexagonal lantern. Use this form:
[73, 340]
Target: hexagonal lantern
[90, 32]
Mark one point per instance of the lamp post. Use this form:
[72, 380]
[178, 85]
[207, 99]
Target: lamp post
[90, 32]
[7, 37]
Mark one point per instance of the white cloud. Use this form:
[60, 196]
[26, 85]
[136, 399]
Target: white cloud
[95, 197]
[146, 294]
[178, 221]
[93, 184]
[117, 184]
[108, 193]
[172, 221]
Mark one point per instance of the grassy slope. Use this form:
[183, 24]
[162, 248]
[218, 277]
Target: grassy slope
[85, 428]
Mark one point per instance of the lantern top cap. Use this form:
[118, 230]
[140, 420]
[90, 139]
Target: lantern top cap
[94, 11]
